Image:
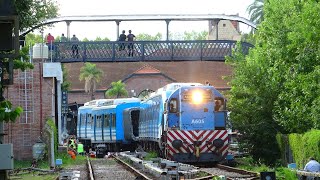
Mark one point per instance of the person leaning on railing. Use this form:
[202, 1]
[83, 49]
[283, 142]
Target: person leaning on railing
[50, 41]
[75, 48]
[61, 50]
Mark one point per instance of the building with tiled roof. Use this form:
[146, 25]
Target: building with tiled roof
[140, 76]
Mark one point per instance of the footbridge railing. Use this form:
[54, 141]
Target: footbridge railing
[115, 51]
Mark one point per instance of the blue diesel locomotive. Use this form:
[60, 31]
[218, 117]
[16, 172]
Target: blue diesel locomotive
[184, 122]
[102, 124]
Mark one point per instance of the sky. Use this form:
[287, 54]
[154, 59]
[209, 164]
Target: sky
[91, 30]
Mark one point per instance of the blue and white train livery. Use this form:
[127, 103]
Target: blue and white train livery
[104, 124]
[185, 122]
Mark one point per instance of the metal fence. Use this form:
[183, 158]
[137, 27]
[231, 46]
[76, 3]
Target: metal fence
[115, 51]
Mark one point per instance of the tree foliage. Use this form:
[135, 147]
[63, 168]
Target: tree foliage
[147, 37]
[8, 113]
[118, 89]
[193, 35]
[304, 146]
[32, 39]
[32, 12]
[66, 84]
[255, 11]
[91, 75]
[276, 88]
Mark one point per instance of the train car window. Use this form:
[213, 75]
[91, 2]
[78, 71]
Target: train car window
[89, 118]
[219, 104]
[83, 119]
[113, 120]
[173, 105]
[106, 120]
[98, 121]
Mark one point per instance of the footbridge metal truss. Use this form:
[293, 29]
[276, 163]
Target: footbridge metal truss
[111, 51]
[143, 17]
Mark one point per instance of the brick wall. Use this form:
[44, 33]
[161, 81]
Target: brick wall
[136, 83]
[81, 97]
[151, 82]
[26, 130]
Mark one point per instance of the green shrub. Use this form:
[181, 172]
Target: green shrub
[286, 174]
[304, 146]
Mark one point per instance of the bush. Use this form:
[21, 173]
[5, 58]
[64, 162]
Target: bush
[304, 146]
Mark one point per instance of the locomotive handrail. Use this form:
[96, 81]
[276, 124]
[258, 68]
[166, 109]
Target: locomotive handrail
[109, 51]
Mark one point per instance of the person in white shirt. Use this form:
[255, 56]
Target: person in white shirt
[312, 166]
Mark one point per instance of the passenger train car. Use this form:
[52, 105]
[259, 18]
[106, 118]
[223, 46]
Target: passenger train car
[102, 124]
[184, 122]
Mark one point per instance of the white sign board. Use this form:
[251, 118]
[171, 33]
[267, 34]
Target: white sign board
[53, 70]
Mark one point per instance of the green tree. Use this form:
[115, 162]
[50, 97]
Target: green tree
[147, 37]
[193, 35]
[32, 39]
[85, 39]
[255, 11]
[8, 113]
[249, 37]
[32, 12]
[66, 84]
[105, 39]
[91, 75]
[118, 89]
[98, 39]
[276, 87]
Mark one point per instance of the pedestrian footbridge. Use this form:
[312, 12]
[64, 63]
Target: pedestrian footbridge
[110, 51]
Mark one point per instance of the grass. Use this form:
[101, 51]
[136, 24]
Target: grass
[282, 173]
[150, 155]
[44, 164]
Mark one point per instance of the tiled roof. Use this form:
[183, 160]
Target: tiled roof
[182, 71]
[147, 69]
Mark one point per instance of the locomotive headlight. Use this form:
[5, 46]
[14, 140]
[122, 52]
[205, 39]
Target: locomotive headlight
[197, 97]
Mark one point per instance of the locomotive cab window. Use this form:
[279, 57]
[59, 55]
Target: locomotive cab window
[219, 104]
[173, 105]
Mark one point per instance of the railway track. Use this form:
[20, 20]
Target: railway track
[231, 173]
[128, 166]
[113, 168]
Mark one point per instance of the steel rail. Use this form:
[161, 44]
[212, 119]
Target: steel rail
[237, 170]
[130, 168]
[253, 175]
[90, 169]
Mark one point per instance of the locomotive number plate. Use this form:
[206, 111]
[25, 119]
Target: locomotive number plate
[197, 121]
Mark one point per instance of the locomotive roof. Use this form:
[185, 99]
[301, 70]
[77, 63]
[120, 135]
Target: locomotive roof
[169, 88]
[97, 102]
[114, 102]
[174, 86]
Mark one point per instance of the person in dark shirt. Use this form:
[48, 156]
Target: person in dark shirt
[122, 38]
[75, 47]
[130, 37]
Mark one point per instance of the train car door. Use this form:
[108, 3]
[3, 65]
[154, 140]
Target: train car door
[220, 113]
[173, 113]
